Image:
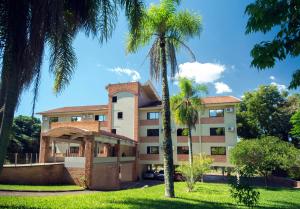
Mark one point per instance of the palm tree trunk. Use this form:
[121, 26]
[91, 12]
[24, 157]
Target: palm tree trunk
[190, 142]
[167, 138]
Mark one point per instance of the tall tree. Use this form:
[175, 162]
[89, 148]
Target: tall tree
[295, 121]
[282, 16]
[169, 29]
[185, 107]
[27, 26]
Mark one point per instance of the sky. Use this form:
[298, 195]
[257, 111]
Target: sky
[222, 52]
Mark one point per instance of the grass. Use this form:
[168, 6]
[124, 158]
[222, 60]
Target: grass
[207, 195]
[39, 188]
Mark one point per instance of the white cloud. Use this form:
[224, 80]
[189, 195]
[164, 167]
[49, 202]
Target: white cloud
[134, 75]
[201, 72]
[281, 87]
[222, 88]
[272, 77]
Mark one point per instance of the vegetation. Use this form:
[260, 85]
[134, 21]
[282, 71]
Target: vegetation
[26, 27]
[262, 156]
[25, 135]
[40, 188]
[244, 194]
[194, 172]
[206, 195]
[295, 121]
[169, 29]
[280, 16]
[267, 111]
[185, 107]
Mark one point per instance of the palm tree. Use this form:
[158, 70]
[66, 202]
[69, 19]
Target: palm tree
[168, 29]
[185, 107]
[27, 26]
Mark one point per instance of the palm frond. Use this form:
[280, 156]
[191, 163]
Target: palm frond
[171, 53]
[155, 60]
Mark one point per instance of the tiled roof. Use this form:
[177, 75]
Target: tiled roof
[220, 100]
[89, 108]
[152, 104]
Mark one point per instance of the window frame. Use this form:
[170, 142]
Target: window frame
[152, 129]
[150, 151]
[120, 115]
[182, 131]
[114, 99]
[113, 130]
[155, 114]
[210, 131]
[217, 152]
[53, 121]
[216, 116]
[186, 149]
[76, 116]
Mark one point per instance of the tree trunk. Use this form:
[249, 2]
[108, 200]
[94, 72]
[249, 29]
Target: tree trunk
[190, 144]
[167, 138]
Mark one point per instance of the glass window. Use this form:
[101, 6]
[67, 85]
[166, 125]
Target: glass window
[218, 150]
[217, 131]
[182, 132]
[120, 115]
[100, 117]
[53, 119]
[114, 99]
[152, 150]
[75, 118]
[216, 113]
[114, 131]
[183, 150]
[152, 132]
[152, 115]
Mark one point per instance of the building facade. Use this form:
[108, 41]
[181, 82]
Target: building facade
[134, 112]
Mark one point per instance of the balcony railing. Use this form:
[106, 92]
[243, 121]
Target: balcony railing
[215, 120]
[152, 157]
[149, 139]
[184, 139]
[219, 158]
[149, 122]
[182, 157]
[88, 125]
[212, 139]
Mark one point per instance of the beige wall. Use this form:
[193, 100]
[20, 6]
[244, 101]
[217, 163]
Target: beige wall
[125, 104]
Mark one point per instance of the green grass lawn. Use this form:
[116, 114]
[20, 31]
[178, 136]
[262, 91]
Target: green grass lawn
[207, 195]
[39, 188]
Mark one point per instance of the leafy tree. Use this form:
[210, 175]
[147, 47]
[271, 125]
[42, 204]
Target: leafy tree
[262, 156]
[244, 194]
[295, 121]
[168, 29]
[185, 107]
[266, 111]
[25, 135]
[194, 172]
[280, 16]
[26, 27]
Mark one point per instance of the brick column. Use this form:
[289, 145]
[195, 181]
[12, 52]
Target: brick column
[81, 149]
[118, 154]
[44, 149]
[135, 164]
[89, 156]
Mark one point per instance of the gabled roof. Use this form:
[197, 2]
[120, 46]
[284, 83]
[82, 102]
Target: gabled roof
[90, 108]
[220, 100]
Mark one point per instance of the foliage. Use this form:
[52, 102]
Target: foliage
[294, 171]
[295, 121]
[244, 194]
[186, 105]
[25, 135]
[262, 156]
[194, 172]
[169, 29]
[280, 16]
[206, 196]
[266, 111]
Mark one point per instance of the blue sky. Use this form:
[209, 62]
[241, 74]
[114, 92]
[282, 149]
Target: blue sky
[222, 52]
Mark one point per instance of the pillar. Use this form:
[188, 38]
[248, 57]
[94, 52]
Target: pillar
[44, 149]
[81, 150]
[89, 156]
[135, 164]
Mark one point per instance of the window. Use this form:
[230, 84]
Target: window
[114, 131]
[74, 149]
[218, 150]
[120, 115]
[114, 99]
[75, 118]
[53, 119]
[217, 131]
[152, 115]
[100, 117]
[182, 132]
[216, 113]
[152, 132]
[152, 150]
[184, 150]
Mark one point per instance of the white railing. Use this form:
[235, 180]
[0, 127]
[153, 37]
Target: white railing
[125, 159]
[74, 162]
[105, 159]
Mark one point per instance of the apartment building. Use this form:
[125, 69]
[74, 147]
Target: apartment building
[133, 113]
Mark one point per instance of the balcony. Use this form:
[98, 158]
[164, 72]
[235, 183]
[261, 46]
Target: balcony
[149, 139]
[149, 122]
[87, 125]
[184, 139]
[150, 157]
[215, 120]
[212, 139]
[219, 158]
[182, 157]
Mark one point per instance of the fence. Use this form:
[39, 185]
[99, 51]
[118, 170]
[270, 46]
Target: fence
[21, 158]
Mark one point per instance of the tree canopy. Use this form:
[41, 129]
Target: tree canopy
[282, 17]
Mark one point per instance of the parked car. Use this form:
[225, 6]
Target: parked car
[161, 175]
[149, 175]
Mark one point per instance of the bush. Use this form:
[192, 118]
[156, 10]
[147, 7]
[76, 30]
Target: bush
[193, 173]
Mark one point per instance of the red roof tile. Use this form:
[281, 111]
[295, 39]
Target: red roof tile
[89, 108]
[220, 100]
